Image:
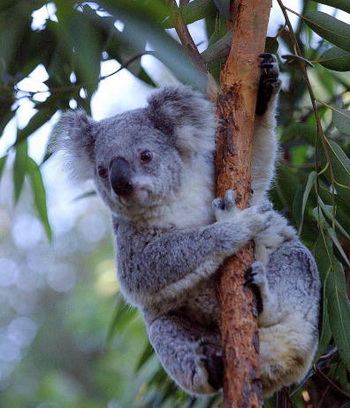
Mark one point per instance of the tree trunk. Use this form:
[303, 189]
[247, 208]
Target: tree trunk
[236, 112]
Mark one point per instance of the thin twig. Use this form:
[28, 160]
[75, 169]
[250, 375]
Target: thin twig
[323, 396]
[186, 38]
[335, 386]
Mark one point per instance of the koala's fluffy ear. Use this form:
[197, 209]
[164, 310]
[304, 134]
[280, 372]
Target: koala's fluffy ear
[186, 114]
[75, 135]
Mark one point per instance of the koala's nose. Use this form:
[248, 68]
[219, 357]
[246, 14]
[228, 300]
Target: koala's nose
[120, 176]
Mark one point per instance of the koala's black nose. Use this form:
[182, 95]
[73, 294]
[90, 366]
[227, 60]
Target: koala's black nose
[119, 176]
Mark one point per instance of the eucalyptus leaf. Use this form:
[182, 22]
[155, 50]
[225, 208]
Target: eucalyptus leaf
[224, 8]
[341, 119]
[340, 173]
[291, 58]
[271, 45]
[2, 164]
[20, 168]
[326, 333]
[336, 59]
[300, 130]
[39, 192]
[339, 4]
[337, 303]
[330, 214]
[339, 311]
[123, 314]
[194, 11]
[219, 49]
[145, 356]
[306, 192]
[332, 234]
[331, 29]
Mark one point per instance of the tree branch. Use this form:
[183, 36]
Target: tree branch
[186, 38]
[236, 111]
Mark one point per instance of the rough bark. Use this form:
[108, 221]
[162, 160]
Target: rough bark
[236, 110]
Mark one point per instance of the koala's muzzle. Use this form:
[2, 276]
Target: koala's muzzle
[120, 176]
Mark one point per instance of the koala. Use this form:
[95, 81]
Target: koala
[154, 169]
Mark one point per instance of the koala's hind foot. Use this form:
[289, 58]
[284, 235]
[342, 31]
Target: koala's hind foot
[190, 354]
[269, 84]
[270, 312]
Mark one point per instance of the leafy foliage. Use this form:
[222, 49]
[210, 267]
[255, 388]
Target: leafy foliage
[313, 182]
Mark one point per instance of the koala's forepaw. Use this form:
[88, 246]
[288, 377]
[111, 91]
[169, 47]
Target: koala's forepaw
[258, 217]
[269, 83]
[225, 208]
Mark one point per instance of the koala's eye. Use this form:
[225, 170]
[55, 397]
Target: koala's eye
[146, 156]
[102, 172]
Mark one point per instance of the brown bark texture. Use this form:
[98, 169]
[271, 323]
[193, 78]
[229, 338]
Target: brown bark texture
[236, 111]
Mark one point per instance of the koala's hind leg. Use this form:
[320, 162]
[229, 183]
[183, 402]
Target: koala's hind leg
[289, 288]
[190, 353]
[271, 312]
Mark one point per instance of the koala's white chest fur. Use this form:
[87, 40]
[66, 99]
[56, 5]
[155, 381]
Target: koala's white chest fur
[190, 205]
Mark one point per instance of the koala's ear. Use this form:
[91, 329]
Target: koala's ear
[75, 135]
[185, 114]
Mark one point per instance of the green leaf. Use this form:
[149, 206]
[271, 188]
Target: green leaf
[300, 130]
[2, 164]
[271, 45]
[224, 8]
[39, 192]
[341, 169]
[336, 59]
[287, 184]
[341, 208]
[219, 49]
[339, 4]
[145, 356]
[333, 236]
[329, 28]
[323, 255]
[20, 168]
[339, 311]
[310, 183]
[83, 42]
[194, 11]
[330, 214]
[341, 119]
[338, 306]
[292, 58]
[122, 316]
[326, 333]
[297, 205]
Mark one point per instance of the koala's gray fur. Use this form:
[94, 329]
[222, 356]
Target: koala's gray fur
[154, 169]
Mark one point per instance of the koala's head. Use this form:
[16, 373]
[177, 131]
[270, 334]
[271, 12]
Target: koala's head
[137, 159]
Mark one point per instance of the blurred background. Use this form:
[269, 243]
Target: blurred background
[67, 339]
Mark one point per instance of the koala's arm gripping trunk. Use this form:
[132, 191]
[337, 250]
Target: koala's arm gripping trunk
[236, 109]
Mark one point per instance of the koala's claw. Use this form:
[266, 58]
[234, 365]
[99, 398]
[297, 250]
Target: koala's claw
[224, 205]
[269, 83]
[230, 200]
[256, 275]
[266, 206]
